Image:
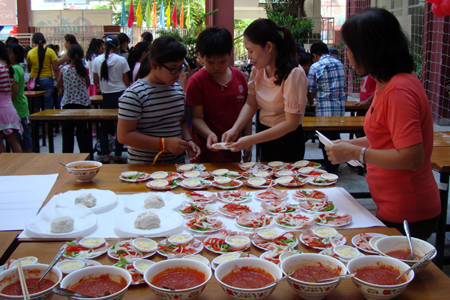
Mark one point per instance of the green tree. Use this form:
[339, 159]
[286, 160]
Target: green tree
[288, 13]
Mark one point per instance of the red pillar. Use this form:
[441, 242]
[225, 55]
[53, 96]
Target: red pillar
[23, 19]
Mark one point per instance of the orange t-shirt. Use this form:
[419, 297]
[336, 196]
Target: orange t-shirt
[400, 117]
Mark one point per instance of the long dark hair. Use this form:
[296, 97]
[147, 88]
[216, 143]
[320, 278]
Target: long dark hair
[163, 50]
[261, 31]
[134, 55]
[18, 51]
[39, 39]
[5, 56]
[111, 43]
[378, 44]
[123, 38]
[92, 50]
[76, 54]
[71, 39]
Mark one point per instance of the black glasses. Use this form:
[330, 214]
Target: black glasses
[175, 71]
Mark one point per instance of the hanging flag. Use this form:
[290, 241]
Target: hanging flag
[124, 14]
[148, 14]
[168, 16]
[182, 16]
[174, 16]
[154, 14]
[161, 15]
[188, 17]
[131, 15]
[139, 15]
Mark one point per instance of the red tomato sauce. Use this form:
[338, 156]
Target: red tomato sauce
[14, 289]
[385, 275]
[401, 254]
[84, 167]
[248, 278]
[179, 278]
[316, 272]
[100, 284]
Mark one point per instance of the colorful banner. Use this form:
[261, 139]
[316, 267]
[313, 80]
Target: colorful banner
[123, 15]
[182, 16]
[154, 14]
[131, 15]
[161, 15]
[139, 16]
[148, 14]
[174, 16]
[8, 12]
[168, 16]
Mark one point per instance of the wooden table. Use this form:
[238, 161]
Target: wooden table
[64, 115]
[440, 161]
[441, 139]
[32, 164]
[349, 106]
[96, 100]
[34, 94]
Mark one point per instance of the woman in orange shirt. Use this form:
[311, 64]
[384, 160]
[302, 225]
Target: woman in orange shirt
[278, 87]
[398, 125]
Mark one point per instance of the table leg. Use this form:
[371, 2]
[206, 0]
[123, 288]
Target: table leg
[91, 151]
[44, 142]
[35, 136]
[51, 148]
[441, 228]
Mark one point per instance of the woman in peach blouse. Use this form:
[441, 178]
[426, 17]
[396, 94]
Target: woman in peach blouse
[278, 87]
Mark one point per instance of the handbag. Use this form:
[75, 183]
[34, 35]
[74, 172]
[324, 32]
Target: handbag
[32, 85]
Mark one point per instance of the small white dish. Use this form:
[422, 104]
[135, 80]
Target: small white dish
[129, 174]
[145, 244]
[285, 173]
[159, 183]
[222, 180]
[198, 257]
[181, 239]
[275, 164]
[191, 182]
[248, 165]
[27, 260]
[69, 266]
[140, 265]
[226, 257]
[270, 234]
[324, 231]
[346, 252]
[373, 241]
[191, 174]
[237, 241]
[301, 163]
[287, 254]
[159, 175]
[305, 170]
[220, 172]
[186, 167]
[284, 180]
[261, 174]
[329, 177]
[257, 181]
[92, 242]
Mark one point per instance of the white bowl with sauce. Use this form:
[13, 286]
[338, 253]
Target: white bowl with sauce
[346, 252]
[257, 181]
[180, 239]
[237, 241]
[145, 244]
[141, 265]
[284, 179]
[186, 167]
[191, 182]
[181, 294]
[27, 260]
[159, 175]
[69, 266]
[311, 290]
[305, 170]
[329, 177]
[222, 180]
[261, 174]
[248, 293]
[275, 164]
[220, 172]
[197, 257]
[84, 171]
[301, 163]
[225, 257]
[191, 174]
[92, 242]
[270, 234]
[159, 183]
[324, 231]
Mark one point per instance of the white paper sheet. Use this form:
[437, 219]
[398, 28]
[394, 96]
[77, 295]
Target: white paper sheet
[326, 141]
[344, 202]
[21, 197]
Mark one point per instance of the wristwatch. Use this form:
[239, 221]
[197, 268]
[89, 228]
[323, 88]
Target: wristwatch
[361, 154]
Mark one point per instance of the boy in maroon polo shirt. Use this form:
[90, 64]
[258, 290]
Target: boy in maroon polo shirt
[215, 96]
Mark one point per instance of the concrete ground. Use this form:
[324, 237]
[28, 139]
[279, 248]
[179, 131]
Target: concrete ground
[348, 179]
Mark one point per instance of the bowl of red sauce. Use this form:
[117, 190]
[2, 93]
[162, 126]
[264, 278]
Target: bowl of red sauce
[376, 276]
[246, 278]
[94, 281]
[84, 171]
[188, 278]
[10, 283]
[398, 247]
[309, 266]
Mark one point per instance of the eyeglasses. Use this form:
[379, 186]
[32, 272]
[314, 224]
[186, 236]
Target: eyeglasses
[174, 71]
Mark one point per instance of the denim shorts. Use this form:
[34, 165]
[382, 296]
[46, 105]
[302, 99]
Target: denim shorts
[25, 138]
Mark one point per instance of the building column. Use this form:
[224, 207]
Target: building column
[23, 19]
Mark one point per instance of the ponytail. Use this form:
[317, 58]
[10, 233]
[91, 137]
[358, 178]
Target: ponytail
[134, 55]
[76, 55]
[262, 31]
[5, 56]
[92, 50]
[144, 68]
[39, 39]
[111, 43]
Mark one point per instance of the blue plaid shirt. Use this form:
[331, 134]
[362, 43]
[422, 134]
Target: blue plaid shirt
[326, 78]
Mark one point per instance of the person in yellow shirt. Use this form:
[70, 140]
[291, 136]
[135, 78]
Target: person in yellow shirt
[40, 62]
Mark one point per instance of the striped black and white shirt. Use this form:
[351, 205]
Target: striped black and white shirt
[158, 109]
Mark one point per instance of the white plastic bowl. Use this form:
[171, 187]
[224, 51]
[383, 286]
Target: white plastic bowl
[159, 175]
[220, 172]
[393, 243]
[352, 251]
[84, 175]
[28, 260]
[75, 264]
[310, 290]
[197, 257]
[375, 291]
[270, 234]
[88, 242]
[222, 179]
[11, 276]
[240, 293]
[153, 245]
[182, 238]
[256, 181]
[141, 265]
[181, 294]
[317, 231]
[114, 273]
[245, 241]
[275, 164]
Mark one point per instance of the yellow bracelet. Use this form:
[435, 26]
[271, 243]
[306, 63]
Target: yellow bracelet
[162, 147]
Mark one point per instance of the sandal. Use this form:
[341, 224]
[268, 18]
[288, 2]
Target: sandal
[105, 160]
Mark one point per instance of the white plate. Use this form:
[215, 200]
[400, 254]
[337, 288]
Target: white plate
[204, 231]
[253, 229]
[170, 220]
[331, 225]
[264, 200]
[206, 194]
[265, 249]
[144, 254]
[370, 234]
[314, 211]
[222, 146]
[90, 262]
[210, 208]
[135, 202]
[84, 221]
[292, 184]
[227, 187]
[141, 277]
[197, 249]
[264, 186]
[105, 199]
[93, 254]
[145, 177]
[327, 252]
[174, 174]
[342, 242]
[296, 227]
[206, 184]
[245, 198]
[210, 248]
[257, 166]
[311, 178]
[196, 167]
[225, 213]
